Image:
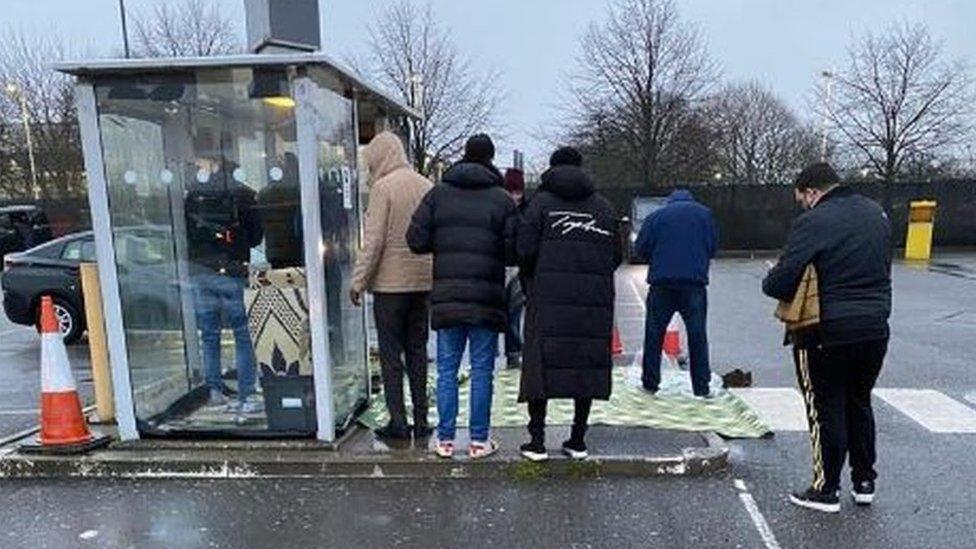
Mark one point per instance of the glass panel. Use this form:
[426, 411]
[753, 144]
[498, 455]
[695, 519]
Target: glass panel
[339, 194]
[203, 187]
[72, 251]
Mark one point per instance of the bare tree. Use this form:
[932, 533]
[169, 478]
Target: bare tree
[642, 72]
[759, 140]
[412, 55]
[190, 28]
[28, 87]
[898, 99]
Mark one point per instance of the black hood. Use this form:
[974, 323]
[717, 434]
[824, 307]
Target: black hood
[567, 182]
[472, 175]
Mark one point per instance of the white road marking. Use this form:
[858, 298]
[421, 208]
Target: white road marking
[88, 534]
[16, 331]
[640, 300]
[931, 409]
[758, 520]
[780, 408]
[19, 412]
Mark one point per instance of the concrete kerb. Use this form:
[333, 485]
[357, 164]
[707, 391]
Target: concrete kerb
[271, 459]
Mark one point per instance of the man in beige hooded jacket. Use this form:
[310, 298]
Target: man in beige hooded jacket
[399, 281]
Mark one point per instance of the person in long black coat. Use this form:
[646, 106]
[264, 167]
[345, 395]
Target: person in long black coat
[568, 250]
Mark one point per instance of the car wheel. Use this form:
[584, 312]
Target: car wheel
[69, 320]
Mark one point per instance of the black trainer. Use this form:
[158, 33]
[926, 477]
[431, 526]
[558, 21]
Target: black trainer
[575, 449]
[393, 432]
[827, 502]
[534, 451]
[863, 492]
[649, 390]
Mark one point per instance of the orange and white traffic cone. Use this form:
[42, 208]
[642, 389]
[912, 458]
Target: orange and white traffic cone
[616, 344]
[672, 341]
[63, 424]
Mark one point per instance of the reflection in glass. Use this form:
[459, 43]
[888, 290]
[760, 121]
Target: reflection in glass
[205, 200]
[337, 171]
[210, 264]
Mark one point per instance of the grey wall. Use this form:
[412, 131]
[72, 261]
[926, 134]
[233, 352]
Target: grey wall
[758, 217]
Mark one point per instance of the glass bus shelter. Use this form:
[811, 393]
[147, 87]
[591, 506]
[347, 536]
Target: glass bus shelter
[226, 208]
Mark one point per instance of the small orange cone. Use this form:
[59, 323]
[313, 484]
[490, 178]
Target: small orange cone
[616, 344]
[672, 341]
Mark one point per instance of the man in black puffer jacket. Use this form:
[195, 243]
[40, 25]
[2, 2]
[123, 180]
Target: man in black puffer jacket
[568, 250]
[468, 223]
[847, 238]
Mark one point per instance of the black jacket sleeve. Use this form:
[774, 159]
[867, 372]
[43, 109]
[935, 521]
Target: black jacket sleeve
[528, 237]
[251, 223]
[511, 234]
[802, 247]
[618, 246]
[420, 234]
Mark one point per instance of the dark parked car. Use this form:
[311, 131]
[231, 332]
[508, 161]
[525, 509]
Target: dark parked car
[149, 291]
[22, 228]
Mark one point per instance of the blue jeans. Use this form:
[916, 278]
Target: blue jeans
[222, 297]
[691, 302]
[513, 333]
[450, 349]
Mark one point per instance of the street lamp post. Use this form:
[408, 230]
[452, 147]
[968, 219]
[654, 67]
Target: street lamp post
[415, 83]
[415, 98]
[828, 77]
[125, 30]
[17, 94]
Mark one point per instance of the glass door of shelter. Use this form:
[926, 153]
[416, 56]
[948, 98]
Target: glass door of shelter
[330, 113]
[205, 205]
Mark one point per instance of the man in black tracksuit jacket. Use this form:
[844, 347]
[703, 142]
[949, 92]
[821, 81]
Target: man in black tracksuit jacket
[847, 238]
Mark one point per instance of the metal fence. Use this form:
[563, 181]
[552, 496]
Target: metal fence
[758, 217]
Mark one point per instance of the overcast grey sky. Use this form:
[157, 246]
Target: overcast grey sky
[784, 43]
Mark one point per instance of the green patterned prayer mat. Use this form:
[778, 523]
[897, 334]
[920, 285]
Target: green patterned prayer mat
[672, 407]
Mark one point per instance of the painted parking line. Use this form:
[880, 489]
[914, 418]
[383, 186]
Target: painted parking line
[758, 520]
[931, 409]
[19, 412]
[640, 298]
[780, 408]
[24, 330]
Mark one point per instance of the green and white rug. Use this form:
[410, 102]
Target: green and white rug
[672, 407]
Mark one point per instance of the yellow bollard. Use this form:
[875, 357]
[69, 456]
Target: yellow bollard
[921, 223]
[97, 342]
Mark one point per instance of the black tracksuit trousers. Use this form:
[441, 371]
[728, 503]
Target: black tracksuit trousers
[402, 327]
[836, 382]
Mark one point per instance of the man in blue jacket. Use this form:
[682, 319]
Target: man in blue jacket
[679, 242]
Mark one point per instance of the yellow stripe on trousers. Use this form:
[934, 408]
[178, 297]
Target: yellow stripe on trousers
[803, 363]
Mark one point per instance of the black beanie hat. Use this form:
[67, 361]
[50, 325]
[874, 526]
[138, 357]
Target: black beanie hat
[480, 149]
[817, 176]
[566, 156]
